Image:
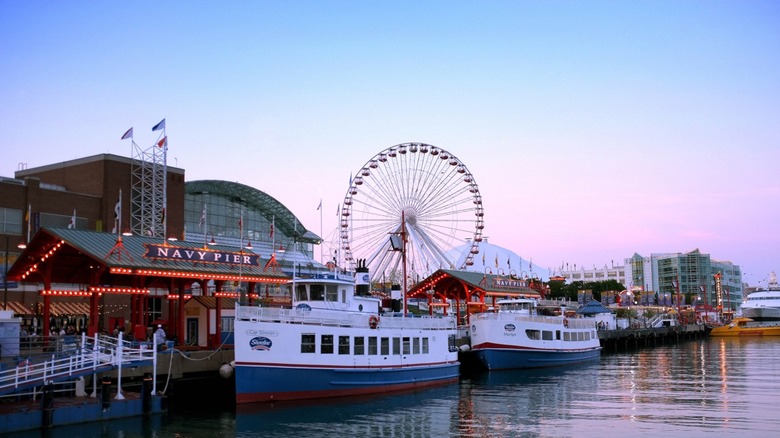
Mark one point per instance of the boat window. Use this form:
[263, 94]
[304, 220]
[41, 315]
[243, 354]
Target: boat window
[566, 336]
[396, 346]
[360, 345]
[372, 345]
[308, 343]
[317, 292]
[385, 346]
[415, 345]
[425, 345]
[580, 336]
[557, 335]
[343, 295]
[533, 334]
[331, 292]
[300, 293]
[407, 346]
[547, 335]
[326, 344]
[343, 344]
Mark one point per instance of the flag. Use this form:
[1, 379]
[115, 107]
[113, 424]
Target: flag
[163, 143]
[159, 126]
[27, 215]
[319, 206]
[202, 217]
[72, 224]
[117, 213]
[128, 134]
[508, 265]
[338, 207]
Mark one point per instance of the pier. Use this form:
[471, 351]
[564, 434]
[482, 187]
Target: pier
[623, 340]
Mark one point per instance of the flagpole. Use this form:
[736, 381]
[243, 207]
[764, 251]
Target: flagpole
[322, 257]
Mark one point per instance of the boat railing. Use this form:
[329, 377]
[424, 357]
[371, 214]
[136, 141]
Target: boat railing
[343, 319]
[577, 323]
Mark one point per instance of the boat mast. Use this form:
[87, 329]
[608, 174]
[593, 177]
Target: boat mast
[403, 254]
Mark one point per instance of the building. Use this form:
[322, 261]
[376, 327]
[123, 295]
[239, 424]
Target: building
[606, 273]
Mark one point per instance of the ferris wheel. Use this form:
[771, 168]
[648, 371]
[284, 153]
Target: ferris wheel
[438, 199]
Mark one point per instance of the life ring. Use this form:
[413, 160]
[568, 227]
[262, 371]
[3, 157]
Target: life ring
[373, 321]
[565, 322]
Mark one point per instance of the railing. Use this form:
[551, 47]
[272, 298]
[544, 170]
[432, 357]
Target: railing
[578, 323]
[343, 319]
[88, 355]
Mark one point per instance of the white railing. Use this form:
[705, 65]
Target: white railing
[578, 323]
[88, 355]
[342, 319]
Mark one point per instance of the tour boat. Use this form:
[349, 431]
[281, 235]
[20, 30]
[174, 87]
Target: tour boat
[746, 327]
[516, 336]
[337, 342]
[763, 304]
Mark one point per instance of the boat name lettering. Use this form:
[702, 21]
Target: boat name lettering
[509, 328]
[260, 343]
[272, 333]
[200, 255]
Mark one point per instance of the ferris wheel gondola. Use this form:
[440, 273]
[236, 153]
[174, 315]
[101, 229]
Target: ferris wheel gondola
[435, 194]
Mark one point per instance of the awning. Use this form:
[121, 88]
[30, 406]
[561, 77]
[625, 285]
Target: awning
[66, 309]
[21, 309]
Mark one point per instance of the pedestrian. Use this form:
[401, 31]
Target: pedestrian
[159, 337]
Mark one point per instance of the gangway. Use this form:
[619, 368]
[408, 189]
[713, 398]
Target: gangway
[89, 356]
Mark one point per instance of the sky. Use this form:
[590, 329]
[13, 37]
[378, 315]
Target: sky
[594, 129]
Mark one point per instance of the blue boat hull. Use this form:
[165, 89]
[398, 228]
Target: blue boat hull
[504, 359]
[269, 383]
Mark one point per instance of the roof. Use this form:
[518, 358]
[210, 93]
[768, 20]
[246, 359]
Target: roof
[452, 282]
[284, 220]
[77, 256]
[592, 308]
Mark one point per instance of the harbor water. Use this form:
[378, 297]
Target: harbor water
[711, 387]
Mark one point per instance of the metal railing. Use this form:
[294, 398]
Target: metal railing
[88, 355]
[342, 319]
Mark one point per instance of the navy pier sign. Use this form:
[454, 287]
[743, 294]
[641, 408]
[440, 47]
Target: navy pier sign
[166, 252]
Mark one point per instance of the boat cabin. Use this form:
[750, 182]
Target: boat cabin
[329, 291]
[521, 306]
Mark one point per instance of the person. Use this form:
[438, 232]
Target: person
[159, 337]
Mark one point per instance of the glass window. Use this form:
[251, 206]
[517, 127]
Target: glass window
[425, 345]
[407, 346]
[396, 346]
[317, 292]
[547, 335]
[308, 343]
[10, 221]
[343, 344]
[360, 345]
[372, 346]
[533, 334]
[385, 346]
[326, 344]
[300, 293]
[332, 292]
[416, 345]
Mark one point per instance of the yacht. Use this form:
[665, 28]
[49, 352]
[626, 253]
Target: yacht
[764, 304]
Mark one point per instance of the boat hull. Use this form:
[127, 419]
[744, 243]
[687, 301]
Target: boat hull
[739, 328]
[762, 313]
[503, 359]
[270, 383]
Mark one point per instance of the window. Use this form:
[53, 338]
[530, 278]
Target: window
[343, 344]
[331, 292]
[547, 335]
[533, 334]
[317, 292]
[425, 345]
[396, 346]
[11, 221]
[300, 293]
[407, 346]
[326, 344]
[308, 343]
[567, 336]
[372, 346]
[360, 345]
[416, 345]
[385, 346]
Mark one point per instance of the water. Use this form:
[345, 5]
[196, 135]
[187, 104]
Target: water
[713, 387]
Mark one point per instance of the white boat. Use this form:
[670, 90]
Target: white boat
[334, 342]
[764, 304]
[515, 336]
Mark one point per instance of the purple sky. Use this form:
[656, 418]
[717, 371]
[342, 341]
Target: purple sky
[594, 129]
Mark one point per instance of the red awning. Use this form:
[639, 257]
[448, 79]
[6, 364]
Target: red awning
[21, 308]
[66, 309]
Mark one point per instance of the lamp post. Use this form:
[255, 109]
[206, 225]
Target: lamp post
[676, 286]
[5, 276]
